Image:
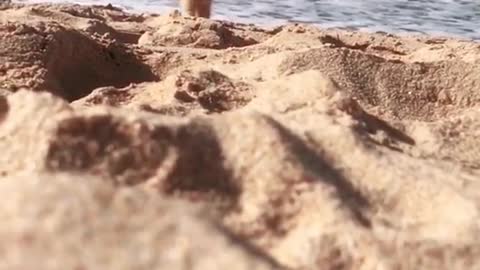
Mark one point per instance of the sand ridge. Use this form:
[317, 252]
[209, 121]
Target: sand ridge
[300, 147]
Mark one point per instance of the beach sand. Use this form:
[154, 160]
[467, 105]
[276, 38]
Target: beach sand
[135, 141]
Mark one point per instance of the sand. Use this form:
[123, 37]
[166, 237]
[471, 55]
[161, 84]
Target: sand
[136, 141]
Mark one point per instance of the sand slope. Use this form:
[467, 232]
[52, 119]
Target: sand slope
[302, 148]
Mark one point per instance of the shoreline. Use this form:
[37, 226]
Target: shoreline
[278, 22]
[167, 142]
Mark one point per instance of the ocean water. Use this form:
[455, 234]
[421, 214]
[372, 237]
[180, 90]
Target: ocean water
[458, 18]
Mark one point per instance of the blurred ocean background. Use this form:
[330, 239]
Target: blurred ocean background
[459, 18]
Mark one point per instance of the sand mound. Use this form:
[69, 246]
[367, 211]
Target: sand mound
[90, 225]
[44, 55]
[310, 148]
[199, 33]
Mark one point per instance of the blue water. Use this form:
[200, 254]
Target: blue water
[460, 18]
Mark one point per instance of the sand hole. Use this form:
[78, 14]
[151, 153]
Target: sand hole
[76, 65]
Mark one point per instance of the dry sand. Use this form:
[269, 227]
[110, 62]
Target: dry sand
[167, 142]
